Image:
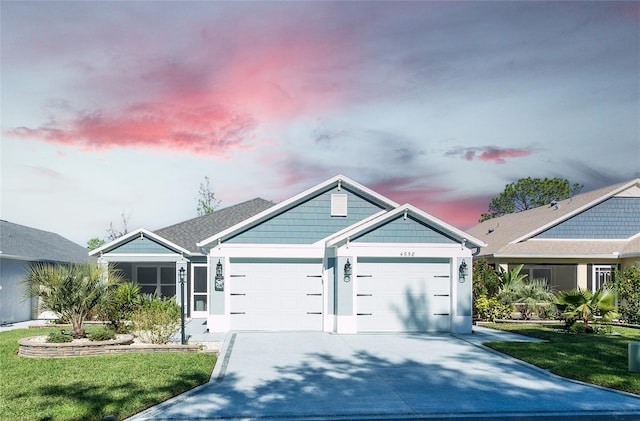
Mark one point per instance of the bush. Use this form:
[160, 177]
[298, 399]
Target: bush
[118, 307]
[58, 338]
[103, 334]
[156, 320]
[627, 286]
[490, 309]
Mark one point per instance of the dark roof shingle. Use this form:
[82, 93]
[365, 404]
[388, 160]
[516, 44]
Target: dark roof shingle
[22, 242]
[186, 234]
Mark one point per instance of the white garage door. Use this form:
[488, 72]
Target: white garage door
[403, 295]
[276, 295]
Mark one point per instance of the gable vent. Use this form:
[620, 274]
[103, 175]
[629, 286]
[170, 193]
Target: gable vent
[338, 205]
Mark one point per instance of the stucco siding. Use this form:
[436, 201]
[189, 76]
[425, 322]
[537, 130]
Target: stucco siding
[13, 305]
[402, 230]
[615, 218]
[309, 221]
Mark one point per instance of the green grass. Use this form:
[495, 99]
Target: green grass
[595, 359]
[89, 388]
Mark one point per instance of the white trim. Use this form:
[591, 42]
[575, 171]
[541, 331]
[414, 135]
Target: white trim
[595, 240]
[264, 215]
[140, 232]
[141, 258]
[413, 211]
[613, 255]
[576, 211]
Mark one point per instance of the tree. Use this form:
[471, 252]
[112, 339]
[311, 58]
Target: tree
[207, 202]
[71, 290]
[94, 243]
[585, 305]
[112, 233]
[528, 193]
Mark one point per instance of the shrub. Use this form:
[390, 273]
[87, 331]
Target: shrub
[627, 286]
[156, 320]
[59, 338]
[485, 280]
[103, 334]
[490, 309]
[118, 307]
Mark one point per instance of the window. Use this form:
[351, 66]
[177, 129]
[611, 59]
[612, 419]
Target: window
[601, 276]
[157, 279]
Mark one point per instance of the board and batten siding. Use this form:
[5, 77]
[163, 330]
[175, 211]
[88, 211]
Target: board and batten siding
[615, 218]
[309, 221]
[401, 230]
[142, 246]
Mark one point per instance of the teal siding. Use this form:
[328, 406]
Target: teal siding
[400, 230]
[142, 246]
[308, 222]
[615, 218]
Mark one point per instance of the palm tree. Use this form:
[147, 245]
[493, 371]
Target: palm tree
[583, 304]
[71, 290]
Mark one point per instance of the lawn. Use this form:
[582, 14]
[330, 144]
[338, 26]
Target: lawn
[596, 359]
[89, 388]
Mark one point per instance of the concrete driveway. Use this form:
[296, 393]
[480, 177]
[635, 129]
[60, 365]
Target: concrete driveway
[306, 375]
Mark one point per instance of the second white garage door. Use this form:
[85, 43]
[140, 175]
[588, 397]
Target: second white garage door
[403, 295]
[276, 294]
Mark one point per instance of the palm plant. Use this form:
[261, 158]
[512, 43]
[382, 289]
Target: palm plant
[71, 290]
[509, 278]
[585, 305]
[527, 297]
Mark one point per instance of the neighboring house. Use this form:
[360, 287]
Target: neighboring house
[338, 257]
[20, 247]
[577, 242]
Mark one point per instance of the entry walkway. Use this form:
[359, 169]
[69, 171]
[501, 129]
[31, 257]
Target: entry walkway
[309, 375]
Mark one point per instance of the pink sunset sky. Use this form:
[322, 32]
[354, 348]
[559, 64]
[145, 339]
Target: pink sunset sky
[124, 107]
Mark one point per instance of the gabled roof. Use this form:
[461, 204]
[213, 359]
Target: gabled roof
[188, 233]
[183, 236]
[407, 210]
[31, 244]
[513, 235]
[139, 233]
[339, 180]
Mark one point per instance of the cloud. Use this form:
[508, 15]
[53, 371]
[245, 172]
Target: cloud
[205, 129]
[488, 153]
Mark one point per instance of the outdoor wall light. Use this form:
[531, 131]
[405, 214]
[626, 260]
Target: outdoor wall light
[219, 279]
[463, 271]
[347, 271]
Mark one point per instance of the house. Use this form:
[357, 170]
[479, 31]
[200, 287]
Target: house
[576, 242]
[337, 257]
[20, 247]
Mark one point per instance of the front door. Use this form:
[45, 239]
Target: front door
[200, 291]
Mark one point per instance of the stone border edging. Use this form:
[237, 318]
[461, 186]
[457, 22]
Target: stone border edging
[121, 345]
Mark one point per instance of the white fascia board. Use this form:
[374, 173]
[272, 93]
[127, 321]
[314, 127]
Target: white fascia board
[329, 240]
[410, 209]
[571, 214]
[408, 250]
[269, 251]
[141, 258]
[140, 232]
[600, 256]
[299, 198]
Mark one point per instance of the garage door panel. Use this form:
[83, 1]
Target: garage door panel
[276, 295]
[403, 296]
